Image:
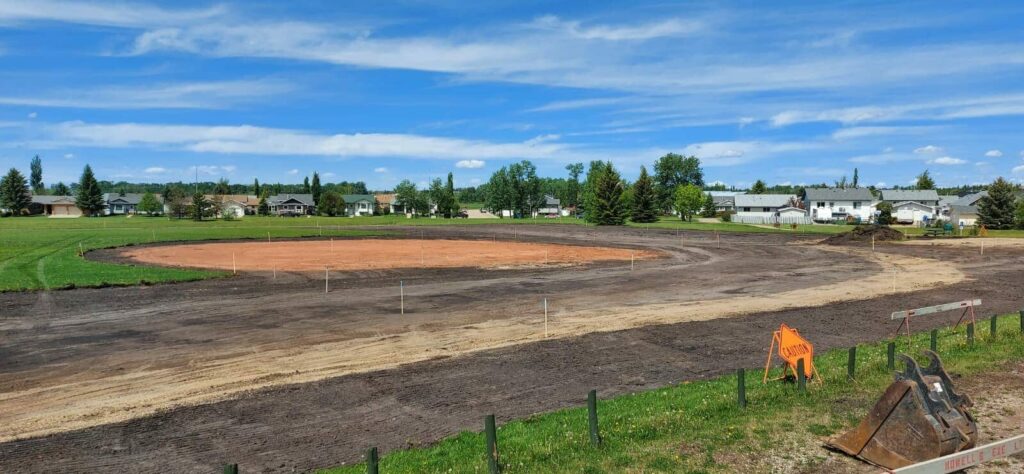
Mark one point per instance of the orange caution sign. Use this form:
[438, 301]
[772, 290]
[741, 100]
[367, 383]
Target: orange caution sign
[792, 349]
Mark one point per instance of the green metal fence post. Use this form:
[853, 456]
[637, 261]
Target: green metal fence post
[970, 334]
[372, 461]
[801, 376]
[851, 363]
[492, 445]
[992, 327]
[934, 346]
[231, 469]
[741, 388]
[891, 353]
[595, 434]
[1022, 321]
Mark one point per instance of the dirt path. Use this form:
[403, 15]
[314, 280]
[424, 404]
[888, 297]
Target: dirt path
[425, 400]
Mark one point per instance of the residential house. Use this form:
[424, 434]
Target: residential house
[56, 206]
[237, 205]
[964, 211]
[944, 203]
[359, 204]
[291, 204]
[767, 209]
[126, 203]
[912, 206]
[724, 203]
[838, 204]
[552, 207]
[388, 203]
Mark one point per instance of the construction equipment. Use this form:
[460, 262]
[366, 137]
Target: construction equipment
[919, 417]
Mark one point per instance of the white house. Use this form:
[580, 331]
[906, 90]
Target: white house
[56, 206]
[359, 204]
[832, 204]
[766, 209]
[912, 212]
[912, 206]
[552, 207]
[964, 211]
[291, 204]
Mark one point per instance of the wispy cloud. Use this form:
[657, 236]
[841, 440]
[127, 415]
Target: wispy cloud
[673, 27]
[860, 132]
[188, 95]
[100, 13]
[578, 104]
[946, 160]
[470, 164]
[928, 150]
[994, 153]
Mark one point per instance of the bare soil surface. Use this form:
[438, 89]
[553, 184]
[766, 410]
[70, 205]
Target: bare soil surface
[188, 376]
[370, 254]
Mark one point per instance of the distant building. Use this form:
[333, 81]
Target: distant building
[127, 203]
[359, 204]
[56, 206]
[291, 204]
[552, 207]
[834, 204]
[237, 205]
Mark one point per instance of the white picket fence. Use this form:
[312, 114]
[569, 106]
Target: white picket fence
[785, 220]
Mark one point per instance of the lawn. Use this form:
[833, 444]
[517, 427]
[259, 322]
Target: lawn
[41, 253]
[697, 427]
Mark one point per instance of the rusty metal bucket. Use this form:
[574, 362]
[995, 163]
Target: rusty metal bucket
[919, 417]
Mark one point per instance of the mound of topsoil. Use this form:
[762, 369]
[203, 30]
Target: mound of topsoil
[863, 233]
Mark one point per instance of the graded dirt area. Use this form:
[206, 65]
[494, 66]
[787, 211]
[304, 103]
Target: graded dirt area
[194, 373]
[347, 255]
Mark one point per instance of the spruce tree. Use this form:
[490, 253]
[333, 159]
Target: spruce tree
[996, 210]
[315, 188]
[14, 193]
[90, 196]
[709, 206]
[256, 187]
[453, 203]
[644, 199]
[609, 208]
[305, 186]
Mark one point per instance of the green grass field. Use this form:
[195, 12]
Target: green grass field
[41, 253]
[697, 427]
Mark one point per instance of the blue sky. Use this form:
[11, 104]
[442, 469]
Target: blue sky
[797, 93]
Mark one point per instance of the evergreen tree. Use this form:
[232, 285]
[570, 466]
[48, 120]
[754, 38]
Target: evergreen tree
[759, 187]
[150, 205]
[14, 192]
[36, 176]
[925, 181]
[453, 203]
[60, 190]
[709, 209]
[856, 178]
[1018, 215]
[689, 199]
[315, 188]
[644, 197]
[256, 187]
[264, 208]
[222, 187]
[200, 207]
[305, 186]
[884, 213]
[90, 196]
[996, 211]
[609, 208]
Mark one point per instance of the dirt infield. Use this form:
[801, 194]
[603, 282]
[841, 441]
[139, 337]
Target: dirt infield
[146, 363]
[345, 255]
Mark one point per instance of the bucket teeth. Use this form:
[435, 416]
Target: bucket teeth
[919, 417]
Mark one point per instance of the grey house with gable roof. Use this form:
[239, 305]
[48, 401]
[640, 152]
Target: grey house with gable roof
[832, 204]
[291, 204]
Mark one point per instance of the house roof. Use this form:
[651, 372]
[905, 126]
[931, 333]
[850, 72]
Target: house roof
[724, 200]
[947, 200]
[791, 208]
[724, 193]
[128, 198]
[963, 209]
[354, 198]
[304, 199]
[763, 200]
[911, 204]
[53, 199]
[838, 194]
[901, 195]
[244, 199]
[550, 200]
[970, 199]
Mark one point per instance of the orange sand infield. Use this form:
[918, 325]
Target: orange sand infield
[309, 255]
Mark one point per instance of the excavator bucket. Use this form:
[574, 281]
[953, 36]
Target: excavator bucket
[919, 417]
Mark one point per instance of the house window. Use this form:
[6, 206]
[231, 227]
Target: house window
[746, 209]
[856, 204]
[821, 204]
[831, 204]
[766, 209]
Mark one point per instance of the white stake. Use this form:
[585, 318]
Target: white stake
[268, 237]
[327, 278]
[894, 280]
[332, 245]
[81, 251]
[983, 247]
[234, 268]
[545, 257]
[631, 260]
[154, 235]
[401, 290]
[275, 273]
[719, 237]
[872, 242]
[545, 317]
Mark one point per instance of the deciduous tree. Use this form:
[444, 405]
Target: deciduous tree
[672, 171]
[688, 201]
[150, 205]
[36, 176]
[572, 192]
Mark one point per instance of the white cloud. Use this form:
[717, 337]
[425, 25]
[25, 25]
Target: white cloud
[928, 150]
[380, 170]
[884, 157]
[880, 184]
[947, 160]
[578, 104]
[273, 141]
[667, 28]
[1018, 169]
[188, 95]
[471, 164]
[994, 153]
[155, 170]
[69, 156]
[212, 170]
[32, 115]
[293, 172]
[99, 13]
[329, 174]
[860, 132]
[729, 153]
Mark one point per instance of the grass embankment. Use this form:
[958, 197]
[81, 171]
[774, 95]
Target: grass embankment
[697, 427]
[41, 253]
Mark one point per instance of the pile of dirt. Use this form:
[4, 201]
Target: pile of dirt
[864, 233]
